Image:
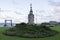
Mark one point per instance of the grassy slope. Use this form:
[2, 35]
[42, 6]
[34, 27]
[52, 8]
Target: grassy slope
[3, 37]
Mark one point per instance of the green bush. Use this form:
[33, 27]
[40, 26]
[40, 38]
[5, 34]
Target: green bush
[33, 31]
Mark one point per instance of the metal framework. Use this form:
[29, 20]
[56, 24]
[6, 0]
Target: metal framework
[6, 22]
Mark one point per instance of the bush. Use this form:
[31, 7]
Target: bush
[31, 31]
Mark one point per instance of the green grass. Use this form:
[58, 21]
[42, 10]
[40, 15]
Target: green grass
[4, 37]
[56, 28]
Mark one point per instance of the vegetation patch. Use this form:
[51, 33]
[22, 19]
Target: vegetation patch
[30, 31]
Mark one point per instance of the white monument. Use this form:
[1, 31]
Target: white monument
[31, 16]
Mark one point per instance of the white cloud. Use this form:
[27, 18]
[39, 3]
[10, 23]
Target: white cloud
[19, 13]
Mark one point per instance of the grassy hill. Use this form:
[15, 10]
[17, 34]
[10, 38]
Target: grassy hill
[4, 37]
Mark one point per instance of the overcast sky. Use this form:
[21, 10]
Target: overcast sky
[18, 10]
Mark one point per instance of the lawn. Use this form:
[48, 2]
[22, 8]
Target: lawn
[4, 37]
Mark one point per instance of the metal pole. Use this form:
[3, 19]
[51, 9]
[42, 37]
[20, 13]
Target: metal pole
[11, 22]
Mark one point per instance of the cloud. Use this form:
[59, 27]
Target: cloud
[20, 10]
[54, 2]
[18, 13]
[16, 17]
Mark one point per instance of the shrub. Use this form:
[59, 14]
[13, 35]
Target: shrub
[33, 31]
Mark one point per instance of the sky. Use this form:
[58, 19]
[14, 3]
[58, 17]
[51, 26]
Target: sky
[18, 10]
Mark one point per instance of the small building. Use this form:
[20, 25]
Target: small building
[53, 23]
